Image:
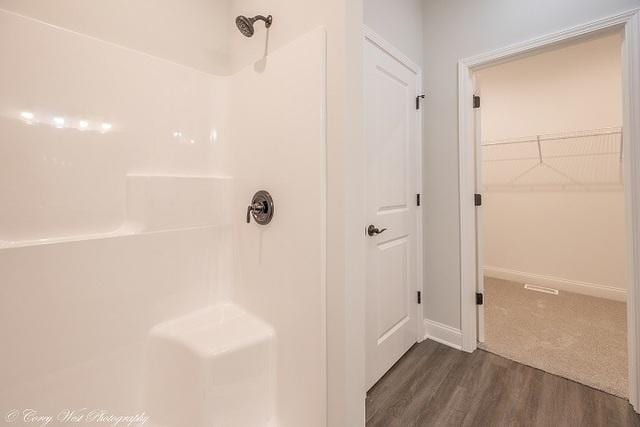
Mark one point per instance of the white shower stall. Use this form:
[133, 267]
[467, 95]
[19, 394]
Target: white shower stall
[131, 282]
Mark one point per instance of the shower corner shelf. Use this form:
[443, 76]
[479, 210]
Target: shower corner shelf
[122, 232]
[153, 204]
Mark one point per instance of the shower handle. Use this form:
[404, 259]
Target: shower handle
[256, 208]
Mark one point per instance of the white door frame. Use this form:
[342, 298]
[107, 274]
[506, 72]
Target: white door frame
[629, 23]
[376, 39]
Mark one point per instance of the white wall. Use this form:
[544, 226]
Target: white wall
[398, 22]
[193, 32]
[574, 239]
[573, 88]
[454, 30]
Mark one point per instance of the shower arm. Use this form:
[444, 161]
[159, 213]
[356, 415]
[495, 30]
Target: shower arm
[267, 20]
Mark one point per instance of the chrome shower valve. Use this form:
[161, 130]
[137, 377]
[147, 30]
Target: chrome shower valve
[261, 208]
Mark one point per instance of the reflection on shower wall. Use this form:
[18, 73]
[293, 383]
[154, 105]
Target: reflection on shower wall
[125, 179]
[99, 112]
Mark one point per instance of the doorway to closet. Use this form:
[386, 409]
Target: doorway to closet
[551, 230]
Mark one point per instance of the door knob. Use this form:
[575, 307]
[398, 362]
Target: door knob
[373, 231]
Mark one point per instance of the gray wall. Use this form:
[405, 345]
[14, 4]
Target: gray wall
[455, 29]
[399, 22]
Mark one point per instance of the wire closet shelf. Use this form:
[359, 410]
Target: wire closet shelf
[577, 161]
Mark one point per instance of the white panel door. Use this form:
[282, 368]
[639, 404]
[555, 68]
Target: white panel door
[390, 120]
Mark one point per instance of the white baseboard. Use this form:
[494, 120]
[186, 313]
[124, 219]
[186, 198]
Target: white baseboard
[443, 334]
[585, 288]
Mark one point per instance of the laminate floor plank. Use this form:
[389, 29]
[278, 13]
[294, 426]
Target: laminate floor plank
[435, 385]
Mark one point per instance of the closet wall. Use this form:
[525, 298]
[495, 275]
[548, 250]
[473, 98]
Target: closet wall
[560, 223]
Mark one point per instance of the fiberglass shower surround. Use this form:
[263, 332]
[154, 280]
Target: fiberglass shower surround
[146, 288]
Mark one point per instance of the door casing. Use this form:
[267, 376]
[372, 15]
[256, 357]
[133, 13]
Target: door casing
[629, 23]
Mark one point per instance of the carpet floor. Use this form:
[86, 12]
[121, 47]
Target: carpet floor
[578, 337]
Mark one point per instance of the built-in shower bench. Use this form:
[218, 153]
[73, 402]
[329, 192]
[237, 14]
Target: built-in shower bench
[214, 367]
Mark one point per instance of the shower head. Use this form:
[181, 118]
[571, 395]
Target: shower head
[245, 25]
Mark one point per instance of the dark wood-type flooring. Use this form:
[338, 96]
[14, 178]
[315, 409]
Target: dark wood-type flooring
[435, 385]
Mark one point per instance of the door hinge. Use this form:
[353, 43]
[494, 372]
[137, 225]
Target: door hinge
[476, 101]
[479, 298]
[418, 98]
[418, 199]
[419, 297]
[477, 199]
